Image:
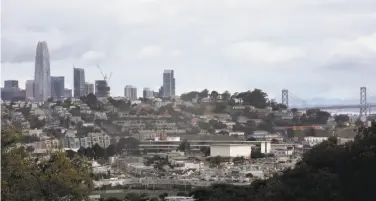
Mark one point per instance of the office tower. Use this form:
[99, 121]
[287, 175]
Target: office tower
[57, 87]
[8, 84]
[67, 93]
[147, 93]
[29, 88]
[155, 94]
[101, 88]
[15, 94]
[42, 79]
[79, 82]
[11, 92]
[160, 92]
[168, 83]
[89, 88]
[130, 92]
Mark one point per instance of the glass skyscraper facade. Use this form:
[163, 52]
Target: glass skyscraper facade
[57, 87]
[168, 83]
[42, 76]
[79, 82]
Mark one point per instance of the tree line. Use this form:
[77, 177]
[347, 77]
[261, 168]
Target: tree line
[256, 98]
[125, 145]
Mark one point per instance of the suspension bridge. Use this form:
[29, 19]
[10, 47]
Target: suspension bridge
[363, 106]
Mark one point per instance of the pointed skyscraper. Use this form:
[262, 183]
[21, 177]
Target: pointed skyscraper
[42, 76]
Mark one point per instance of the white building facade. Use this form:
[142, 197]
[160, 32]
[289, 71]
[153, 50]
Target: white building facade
[230, 150]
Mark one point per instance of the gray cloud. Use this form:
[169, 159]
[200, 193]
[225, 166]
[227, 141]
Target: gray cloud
[225, 45]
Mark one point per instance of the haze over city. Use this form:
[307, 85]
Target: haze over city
[315, 49]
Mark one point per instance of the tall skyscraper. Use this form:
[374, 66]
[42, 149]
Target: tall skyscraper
[79, 82]
[147, 93]
[29, 88]
[101, 88]
[168, 83]
[67, 93]
[8, 84]
[160, 92]
[42, 79]
[89, 88]
[130, 92]
[57, 87]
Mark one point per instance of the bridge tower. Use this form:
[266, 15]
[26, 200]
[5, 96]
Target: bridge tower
[285, 97]
[363, 102]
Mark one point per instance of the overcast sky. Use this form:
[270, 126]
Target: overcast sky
[314, 48]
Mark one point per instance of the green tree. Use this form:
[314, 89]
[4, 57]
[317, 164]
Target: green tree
[214, 95]
[184, 146]
[341, 119]
[205, 151]
[216, 161]
[256, 98]
[189, 96]
[98, 151]
[163, 196]
[226, 96]
[257, 154]
[52, 178]
[203, 94]
[111, 150]
[30, 149]
[220, 107]
[129, 144]
[274, 141]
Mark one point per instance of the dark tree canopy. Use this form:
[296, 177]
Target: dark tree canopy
[54, 178]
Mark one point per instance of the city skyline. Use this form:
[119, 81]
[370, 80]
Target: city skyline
[304, 47]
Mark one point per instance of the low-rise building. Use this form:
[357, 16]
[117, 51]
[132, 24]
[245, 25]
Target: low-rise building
[230, 150]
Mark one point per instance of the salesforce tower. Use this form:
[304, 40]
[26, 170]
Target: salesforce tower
[42, 77]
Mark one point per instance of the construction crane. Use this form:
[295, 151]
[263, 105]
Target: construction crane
[105, 76]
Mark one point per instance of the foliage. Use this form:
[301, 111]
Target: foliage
[276, 106]
[29, 139]
[214, 95]
[184, 146]
[329, 171]
[189, 96]
[120, 104]
[256, 98]
[341, 119]
[52, 178]
[257, 154]
[130, 145]
[226, 96]
[133, 196]
[217, 124]
[36, 123]
[220, 107]
[205, 151]
[203, 94]
[92, 101]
